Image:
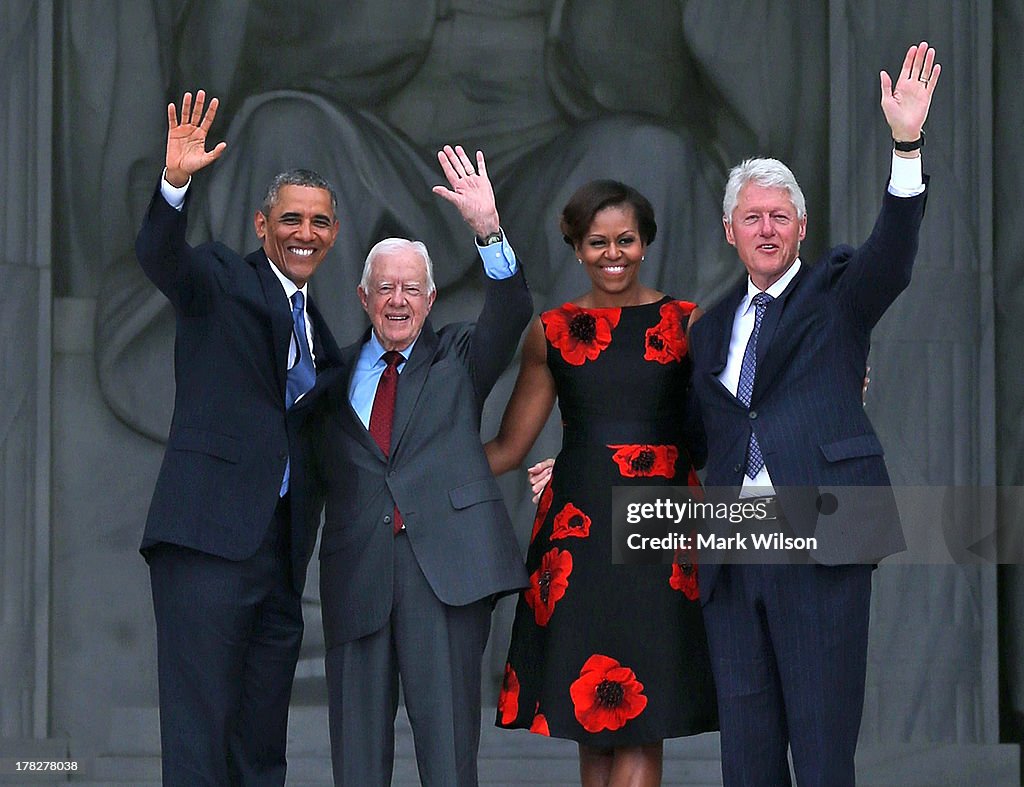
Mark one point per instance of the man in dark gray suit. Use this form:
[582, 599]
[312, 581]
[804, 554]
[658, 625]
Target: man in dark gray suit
[778, 368]
[417, 542]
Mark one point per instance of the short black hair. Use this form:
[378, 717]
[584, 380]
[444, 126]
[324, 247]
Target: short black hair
[298, 177]
[593, 197]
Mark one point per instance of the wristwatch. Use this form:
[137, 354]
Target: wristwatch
[906, 147]
[490, 238]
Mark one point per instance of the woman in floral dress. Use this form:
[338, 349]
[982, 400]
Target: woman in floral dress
[611, 656]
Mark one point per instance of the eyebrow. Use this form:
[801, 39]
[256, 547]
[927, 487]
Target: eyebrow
[296, 215]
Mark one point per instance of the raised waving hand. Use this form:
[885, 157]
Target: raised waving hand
[906, 102]
[186, 140]
[471, 191]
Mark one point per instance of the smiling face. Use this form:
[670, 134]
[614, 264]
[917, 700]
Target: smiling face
[611, 250]
[397, 297]
[299, 231]
[766, 232]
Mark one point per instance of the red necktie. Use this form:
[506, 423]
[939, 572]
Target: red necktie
[382, 416]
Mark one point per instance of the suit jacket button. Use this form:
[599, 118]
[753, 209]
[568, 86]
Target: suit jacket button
[737, 468]
[282, 455]
[391, 473]
[387, 519]
[752, 415]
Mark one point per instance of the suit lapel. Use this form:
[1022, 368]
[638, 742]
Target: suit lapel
[324, 347]
[339, 400]
[725, 315]
[280, 315]
[719, 330]
[769, 352]
[411, 381]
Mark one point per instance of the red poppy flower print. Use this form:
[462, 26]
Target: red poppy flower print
[540, 725]
[645, 461]
[606, 695]
[666, 341]
[580, 334]
[508, 697]
[543, 506]
[571, 522]
[548, 584]
[684, 576]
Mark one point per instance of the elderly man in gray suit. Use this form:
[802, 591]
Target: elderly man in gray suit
[417, 542]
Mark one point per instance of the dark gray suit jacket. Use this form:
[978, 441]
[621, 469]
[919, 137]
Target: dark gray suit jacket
[436, 474]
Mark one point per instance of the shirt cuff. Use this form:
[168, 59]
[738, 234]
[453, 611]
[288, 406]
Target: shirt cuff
[499, 259]
[175, 195]
[906, 179]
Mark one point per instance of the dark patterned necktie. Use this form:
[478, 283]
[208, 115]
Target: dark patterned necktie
[745, 387]
[382, 416]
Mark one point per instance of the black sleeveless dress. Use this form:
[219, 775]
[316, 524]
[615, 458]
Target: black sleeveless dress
[610, 655]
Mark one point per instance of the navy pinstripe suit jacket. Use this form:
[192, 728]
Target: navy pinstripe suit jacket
[230, 436]
[806, 407]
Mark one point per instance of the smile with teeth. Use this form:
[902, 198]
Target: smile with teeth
[614, 268]
[300, 252]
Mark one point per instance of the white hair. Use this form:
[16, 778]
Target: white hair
[391, 245]
[767, 172]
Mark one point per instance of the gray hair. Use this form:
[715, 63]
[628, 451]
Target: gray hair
[391, 245]
[297, 177]
[767, 172]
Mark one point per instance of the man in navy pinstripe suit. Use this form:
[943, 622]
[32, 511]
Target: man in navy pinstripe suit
[231, 527]
[789, 642]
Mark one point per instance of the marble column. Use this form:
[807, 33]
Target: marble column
[26, 96]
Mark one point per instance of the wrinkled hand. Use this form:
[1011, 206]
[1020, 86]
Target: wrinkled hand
[540, 475]
[906, 103]
[470, 191]
[186, 141]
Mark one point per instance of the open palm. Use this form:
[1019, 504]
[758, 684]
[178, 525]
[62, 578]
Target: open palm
[186, 140]
[906, 102]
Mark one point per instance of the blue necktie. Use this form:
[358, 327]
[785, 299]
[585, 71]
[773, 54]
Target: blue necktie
[745, 387]
[302, 375]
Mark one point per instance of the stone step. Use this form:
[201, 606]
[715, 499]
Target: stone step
[15, 750]
[507, 757]
[507, 772]
[516, 758]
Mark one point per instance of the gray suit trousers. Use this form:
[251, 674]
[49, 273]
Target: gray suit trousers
[435, 650]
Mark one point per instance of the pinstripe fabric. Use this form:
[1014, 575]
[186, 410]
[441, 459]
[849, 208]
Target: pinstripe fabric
[788, 643]
[805, 407]
[789, 649]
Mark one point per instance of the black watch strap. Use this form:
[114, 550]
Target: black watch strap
[906, 147]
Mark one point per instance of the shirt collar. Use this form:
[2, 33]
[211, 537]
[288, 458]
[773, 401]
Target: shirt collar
[373, 350]
[775, 290]
[290, 287]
